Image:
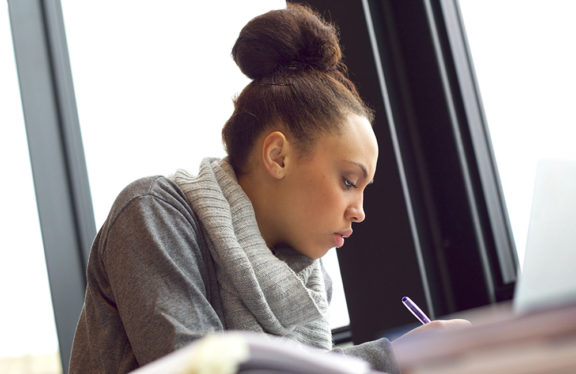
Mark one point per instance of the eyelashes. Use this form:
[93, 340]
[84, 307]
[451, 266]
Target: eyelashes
[348, 185]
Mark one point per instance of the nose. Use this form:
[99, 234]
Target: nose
[355, 211]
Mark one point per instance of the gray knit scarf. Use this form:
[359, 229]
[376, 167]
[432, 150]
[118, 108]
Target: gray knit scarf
[279, 293]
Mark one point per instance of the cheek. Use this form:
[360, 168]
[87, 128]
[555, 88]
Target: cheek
[321, 198]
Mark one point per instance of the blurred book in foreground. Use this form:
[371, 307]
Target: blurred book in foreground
[246, 352]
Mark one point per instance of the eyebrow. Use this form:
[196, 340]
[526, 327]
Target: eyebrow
[363, 168]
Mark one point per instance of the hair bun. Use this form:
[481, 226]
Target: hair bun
[288, 39]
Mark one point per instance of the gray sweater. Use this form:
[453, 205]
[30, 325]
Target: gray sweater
[152, 285]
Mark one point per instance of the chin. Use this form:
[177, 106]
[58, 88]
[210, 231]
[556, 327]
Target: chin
[319, 254]
[314, 253]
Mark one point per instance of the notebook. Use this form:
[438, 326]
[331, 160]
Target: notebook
[548, 277]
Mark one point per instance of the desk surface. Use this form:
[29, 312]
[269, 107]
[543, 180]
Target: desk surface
[499, 341]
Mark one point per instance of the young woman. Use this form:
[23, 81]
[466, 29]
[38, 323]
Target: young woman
[236, 246]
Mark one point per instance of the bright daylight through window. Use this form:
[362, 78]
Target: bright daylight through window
[524, 59]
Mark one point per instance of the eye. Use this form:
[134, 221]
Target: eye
[349, 184]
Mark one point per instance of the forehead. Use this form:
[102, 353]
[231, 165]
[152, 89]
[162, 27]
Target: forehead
[355, 143]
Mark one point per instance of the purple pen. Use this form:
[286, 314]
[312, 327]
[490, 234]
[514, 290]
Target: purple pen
[413, 308]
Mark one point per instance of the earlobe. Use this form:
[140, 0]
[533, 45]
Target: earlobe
[274, 154]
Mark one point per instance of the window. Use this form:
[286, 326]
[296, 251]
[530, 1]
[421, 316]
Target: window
[524, 62]
[436, 226]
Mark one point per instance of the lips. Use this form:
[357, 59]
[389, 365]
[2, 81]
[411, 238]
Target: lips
[346, 233]
[340, 236]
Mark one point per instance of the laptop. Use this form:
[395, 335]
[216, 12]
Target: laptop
[548, 276]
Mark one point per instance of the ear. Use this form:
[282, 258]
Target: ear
[275, 149]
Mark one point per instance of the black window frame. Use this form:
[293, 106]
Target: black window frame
[437, 228]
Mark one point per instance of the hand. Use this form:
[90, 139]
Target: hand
[433, 326]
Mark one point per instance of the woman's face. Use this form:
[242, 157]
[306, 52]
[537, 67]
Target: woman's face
[322, 193]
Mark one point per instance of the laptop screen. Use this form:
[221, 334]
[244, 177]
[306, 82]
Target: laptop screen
[548, 276]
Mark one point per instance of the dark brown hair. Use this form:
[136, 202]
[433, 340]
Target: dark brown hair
[299, 81]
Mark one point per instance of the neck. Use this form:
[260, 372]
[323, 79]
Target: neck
[262, 197]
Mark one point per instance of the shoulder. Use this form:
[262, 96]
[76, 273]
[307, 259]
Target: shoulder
[157, 187]
[150, 204]
[151, 217]
[148, 195]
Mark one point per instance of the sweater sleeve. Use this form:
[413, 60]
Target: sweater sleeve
[377, 353]
[149, 283]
